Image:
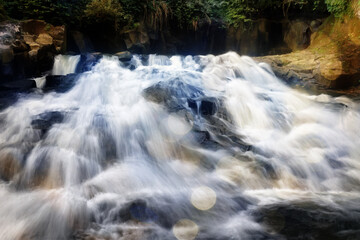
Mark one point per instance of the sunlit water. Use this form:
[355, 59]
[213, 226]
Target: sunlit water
[118, 163]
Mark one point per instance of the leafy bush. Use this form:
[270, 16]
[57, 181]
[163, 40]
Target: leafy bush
[337, 7]
[56, 12]
[3, 15]
[188, 13]
[158, 13]
[105, 11]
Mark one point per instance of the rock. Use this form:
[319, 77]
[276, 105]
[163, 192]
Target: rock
[310, 220]
[19, 85]
[204, 105]
[137, 41]
[34, 27]
[7, 98]
[27, 48]
[124, 56]
[19, 46]
[87, 61]
[332, 61]
[264, 37]
[315, 25]
[45, 120]
[297, 35]
[80, 43]
[60, 83]
[208, 107]
[44, 39]
[174, 94]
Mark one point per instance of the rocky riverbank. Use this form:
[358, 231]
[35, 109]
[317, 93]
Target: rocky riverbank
[332, 61]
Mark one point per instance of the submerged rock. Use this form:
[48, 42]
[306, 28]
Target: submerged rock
[45, 120]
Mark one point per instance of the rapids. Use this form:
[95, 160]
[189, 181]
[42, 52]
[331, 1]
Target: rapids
[202, 147]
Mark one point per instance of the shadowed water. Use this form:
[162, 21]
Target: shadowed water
[203, 147]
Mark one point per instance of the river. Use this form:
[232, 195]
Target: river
[195, 147]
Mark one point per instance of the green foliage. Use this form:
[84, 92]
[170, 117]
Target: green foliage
[105, 11]
[188, 13]
[56, 12]
[3, 14]
[337, 7]
[239, 11]
[124, 14]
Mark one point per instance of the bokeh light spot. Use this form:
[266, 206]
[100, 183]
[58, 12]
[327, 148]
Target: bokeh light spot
[203, 198]
[178, 125]
[185, 229]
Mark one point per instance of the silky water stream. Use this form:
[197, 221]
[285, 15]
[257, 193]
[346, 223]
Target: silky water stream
[203, 147]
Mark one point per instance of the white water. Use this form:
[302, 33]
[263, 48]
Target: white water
[115, 147]
[65, 64]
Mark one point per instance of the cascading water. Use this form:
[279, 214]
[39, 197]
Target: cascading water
[205, 147]
[65, 64]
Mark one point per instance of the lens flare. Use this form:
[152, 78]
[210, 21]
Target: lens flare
[203, 198]
[178, 125]
[185, 229]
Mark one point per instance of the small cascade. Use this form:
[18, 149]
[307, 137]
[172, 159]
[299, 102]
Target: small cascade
[64, 65]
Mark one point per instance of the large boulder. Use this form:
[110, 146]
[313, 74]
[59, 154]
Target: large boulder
[174, 94]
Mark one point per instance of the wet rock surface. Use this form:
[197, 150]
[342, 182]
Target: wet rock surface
[60, 83]
[87, 61]
[174, 94]
[300, 221]
[18, 85]
[45, 120]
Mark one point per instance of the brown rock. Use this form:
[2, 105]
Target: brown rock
[57, 32]
[44, 39]
[34, 27]
[137, 40]
[297, 36]
[28, 38]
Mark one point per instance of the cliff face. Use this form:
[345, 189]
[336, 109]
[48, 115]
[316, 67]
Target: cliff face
[332, 60]
[27, 48]
[258, 38]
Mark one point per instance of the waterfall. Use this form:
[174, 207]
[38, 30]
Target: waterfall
[65, 64]
[181, 147]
